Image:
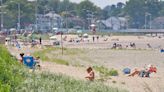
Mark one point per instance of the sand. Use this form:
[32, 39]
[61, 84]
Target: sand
[99, 53]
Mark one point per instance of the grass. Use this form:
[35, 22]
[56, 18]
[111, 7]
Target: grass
[10, 73]
[51, 54]
[60, 61]
[15, 78]
[46, 82]
[105, 72]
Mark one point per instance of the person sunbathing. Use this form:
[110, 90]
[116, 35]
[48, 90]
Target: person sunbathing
[91, 74]
[144, 72]
[150, 70]
[136, 72]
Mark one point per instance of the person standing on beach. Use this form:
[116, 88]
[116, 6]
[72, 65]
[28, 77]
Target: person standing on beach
[93, 38]
[97, 38]
[6, 43]
[40, 40]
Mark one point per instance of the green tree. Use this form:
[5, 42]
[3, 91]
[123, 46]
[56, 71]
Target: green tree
[136, 10]
[86, 7]
[11, 16]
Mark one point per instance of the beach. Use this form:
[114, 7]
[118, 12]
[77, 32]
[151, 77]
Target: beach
[99, 53]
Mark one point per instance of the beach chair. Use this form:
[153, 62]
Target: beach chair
[29, 61]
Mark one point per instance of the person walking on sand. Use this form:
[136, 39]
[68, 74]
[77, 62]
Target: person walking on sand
[97, 38]
[91, 74]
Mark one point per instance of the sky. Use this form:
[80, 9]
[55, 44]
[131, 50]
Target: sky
[102, 3]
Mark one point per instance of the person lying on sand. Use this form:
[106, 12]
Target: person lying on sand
[136, 72]
[91, 74]
[144, 72]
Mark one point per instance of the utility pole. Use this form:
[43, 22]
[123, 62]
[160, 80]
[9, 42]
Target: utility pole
[1, 15]
[66, 18]
[18, 25]
[145, 20]
[36, 12]
[150, 21]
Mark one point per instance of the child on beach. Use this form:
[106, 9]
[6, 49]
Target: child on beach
[91, 74]
[37, 62]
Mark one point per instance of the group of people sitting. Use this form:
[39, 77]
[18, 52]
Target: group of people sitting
[115, 46]
[119, 46]
[144, 72]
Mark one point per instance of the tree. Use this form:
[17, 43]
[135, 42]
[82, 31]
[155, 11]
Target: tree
[27, 13]
[86, 7]
[136, 10]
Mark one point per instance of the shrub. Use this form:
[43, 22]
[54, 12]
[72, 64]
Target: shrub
[10, 75]
[105, 72]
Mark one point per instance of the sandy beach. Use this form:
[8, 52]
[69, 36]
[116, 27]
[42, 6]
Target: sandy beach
[100, 53]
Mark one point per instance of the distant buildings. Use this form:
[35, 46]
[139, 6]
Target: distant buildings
[46, 22]
[114, 23]
[51, 20]
[43, 23]
[55, 20]
[75, 22]
[158, 23]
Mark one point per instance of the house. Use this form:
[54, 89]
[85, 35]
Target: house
[46, 22]
[75, 22]
[158, 23]
[43, 23]
[114, 23]
[55, 19]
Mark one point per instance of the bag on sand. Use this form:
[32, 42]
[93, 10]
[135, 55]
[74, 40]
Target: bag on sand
[126, 70]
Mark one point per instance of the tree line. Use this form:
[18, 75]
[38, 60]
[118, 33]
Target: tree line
[134, 10]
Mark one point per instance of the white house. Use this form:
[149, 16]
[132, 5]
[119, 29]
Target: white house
[47, 22]
[115, 23]
[55, 19]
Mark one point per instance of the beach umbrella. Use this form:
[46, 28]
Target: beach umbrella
[12, 29]
[85, 35]
[53, 37]
[55, 29]
[79, 31]
[7, 39]
[93, 25]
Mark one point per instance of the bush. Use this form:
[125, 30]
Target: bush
[105, 72]
[10, 75]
